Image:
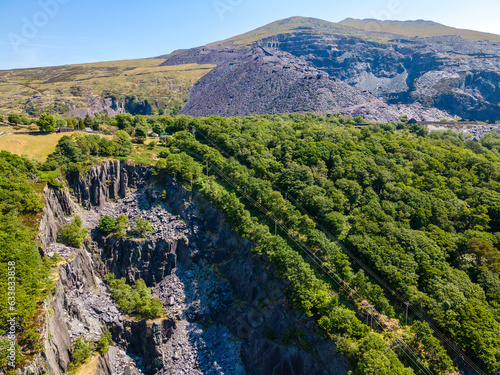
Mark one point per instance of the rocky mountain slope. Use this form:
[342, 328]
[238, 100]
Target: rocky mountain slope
[272, 69]
[378, 70]
[225, 311]
[134, 86]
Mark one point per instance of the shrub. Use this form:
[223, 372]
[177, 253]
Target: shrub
[107, 224]
[103, 343]
[72, 234]
[164, 196]
[82, 348]
[136, 301]
[121, 226]
[14, 118]
[142, 226]
[25, 120]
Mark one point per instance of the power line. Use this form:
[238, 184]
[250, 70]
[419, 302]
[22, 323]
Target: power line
[449, 343]
[343, 285]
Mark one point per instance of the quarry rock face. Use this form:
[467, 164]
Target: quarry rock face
[225, 312]
[354, 72]
[448, 72]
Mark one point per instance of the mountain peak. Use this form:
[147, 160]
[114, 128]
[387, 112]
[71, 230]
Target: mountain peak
[285, 26]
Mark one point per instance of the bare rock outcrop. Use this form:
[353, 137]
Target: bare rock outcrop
[321, 67]
[58, 205]
[221, 301]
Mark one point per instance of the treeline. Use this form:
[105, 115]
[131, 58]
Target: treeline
[307, 289]
[20, 205]
[81, 147]
[423, 211]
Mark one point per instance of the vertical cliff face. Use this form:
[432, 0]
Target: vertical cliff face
[108, 181]
[224, 306]
[58, 206]
[225, 310]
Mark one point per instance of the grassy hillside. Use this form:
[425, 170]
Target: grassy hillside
[286, 26]
[65, 88]
[419, 28]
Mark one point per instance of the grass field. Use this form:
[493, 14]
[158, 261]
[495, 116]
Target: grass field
[34, 146]
[62, 88]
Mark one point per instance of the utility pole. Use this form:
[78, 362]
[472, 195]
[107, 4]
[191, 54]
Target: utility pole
[407, 304]
[207, 168]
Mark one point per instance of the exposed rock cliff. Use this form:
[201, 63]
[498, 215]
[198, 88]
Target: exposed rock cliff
[58, 205]
[449, 73]
[264, 80]
[305, 64]
[109, 181]
[225, 311]
[206, 276]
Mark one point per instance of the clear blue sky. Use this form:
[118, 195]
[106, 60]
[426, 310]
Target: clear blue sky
[55, 32]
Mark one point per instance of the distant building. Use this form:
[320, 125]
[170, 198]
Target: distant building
[65, 130]
[88, 130]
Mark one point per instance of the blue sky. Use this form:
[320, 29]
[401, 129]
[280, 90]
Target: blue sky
[56, 32]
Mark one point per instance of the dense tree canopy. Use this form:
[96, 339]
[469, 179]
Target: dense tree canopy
[421, 210]
[19, 256]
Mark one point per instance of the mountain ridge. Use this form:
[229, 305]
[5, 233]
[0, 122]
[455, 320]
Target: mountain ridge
[417, 28]
[429, 78]
[432, 77]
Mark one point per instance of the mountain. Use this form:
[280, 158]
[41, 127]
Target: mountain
[377, 70]
[286, 26]
[377, 75]
[420, 28]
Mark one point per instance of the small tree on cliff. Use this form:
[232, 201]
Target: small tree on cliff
[121, 226]
[107, 224]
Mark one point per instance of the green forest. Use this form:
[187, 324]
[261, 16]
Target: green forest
[21, 206]
[419, 210]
